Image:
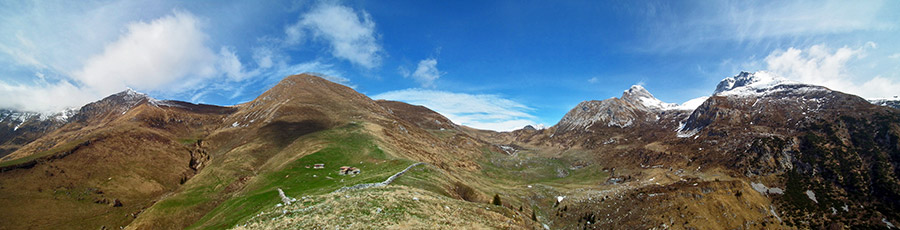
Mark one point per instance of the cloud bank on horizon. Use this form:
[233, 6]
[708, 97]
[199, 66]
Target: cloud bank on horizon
[60, 54]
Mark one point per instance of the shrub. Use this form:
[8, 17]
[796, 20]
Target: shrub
[465, 192]
[496, 200]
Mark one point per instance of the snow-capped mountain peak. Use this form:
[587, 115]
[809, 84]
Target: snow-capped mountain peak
[638, 95]
[746, 83]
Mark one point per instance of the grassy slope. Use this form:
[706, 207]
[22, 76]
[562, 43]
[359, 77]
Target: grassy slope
[387, 207]
[231, 193]
[500, 174]
[350, 145]
[347, 148]
[104, 169]
[64, 147]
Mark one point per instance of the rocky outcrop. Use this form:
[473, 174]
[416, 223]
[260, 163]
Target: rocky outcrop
[199, 156]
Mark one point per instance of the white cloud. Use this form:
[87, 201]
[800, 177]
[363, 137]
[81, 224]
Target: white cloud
[263, 57]
[403, 71]
[821, 65]
[152, 56]
[168, 55]
[44, 97]
[483, 111]
[593, 80]
[230, 64]
[350, 34]
[426, 72]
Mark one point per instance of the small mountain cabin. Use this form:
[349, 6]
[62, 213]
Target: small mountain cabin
[347, 170]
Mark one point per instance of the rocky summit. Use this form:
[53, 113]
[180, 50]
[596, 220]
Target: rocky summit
[760, 152]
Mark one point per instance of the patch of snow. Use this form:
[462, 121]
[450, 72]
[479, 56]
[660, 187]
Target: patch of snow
[811, 195]
[614, 123]
[759, 187]
[687, 133]
[643, 97]
[887, 223]
[560, 198]
[691, 104]
[889, 102]
[776, 191]
[763, 189]
[682, 133]
[235, 124]
[747, 83]
[760, 83]
[508, 149]
[772, 210]
[19, 125]
[167, 103]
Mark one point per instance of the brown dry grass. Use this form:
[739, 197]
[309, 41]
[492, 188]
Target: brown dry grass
[393, 207]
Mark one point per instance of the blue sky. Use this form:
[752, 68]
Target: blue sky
[487, 64]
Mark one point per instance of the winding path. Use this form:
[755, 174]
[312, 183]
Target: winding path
[379, 184]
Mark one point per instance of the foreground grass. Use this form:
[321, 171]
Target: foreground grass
[387, 207]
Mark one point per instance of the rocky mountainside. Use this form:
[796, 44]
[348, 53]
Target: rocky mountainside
[809, 139]
[893, 103]
[808, 142]
[19, 128]
[636, 107]
[760, 153]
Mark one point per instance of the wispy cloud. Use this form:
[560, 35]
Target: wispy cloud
[670, 27]
[483, 111]
[57, 36]
[829, 67]
[425, 74]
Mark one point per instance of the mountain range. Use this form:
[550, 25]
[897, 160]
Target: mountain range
[761, 152]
